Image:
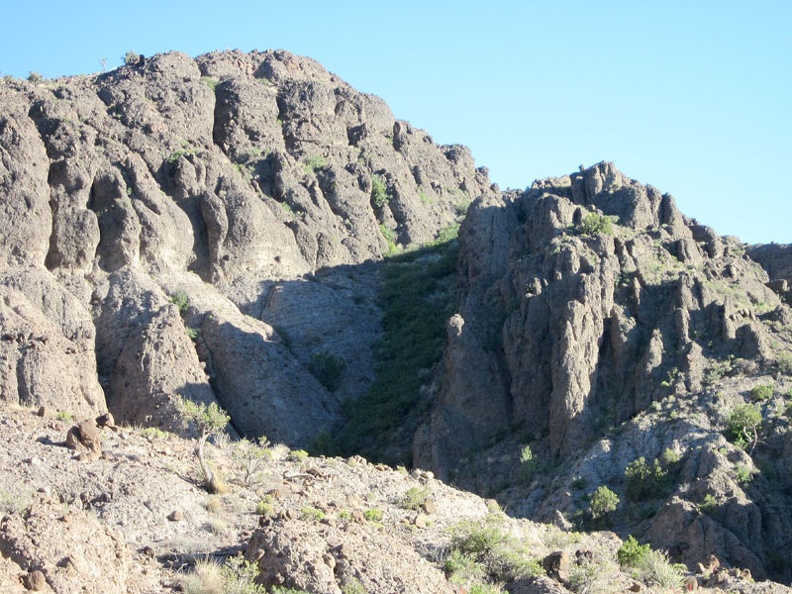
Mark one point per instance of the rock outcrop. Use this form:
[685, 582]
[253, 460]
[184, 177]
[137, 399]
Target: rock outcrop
[588, 301]
[219, 183]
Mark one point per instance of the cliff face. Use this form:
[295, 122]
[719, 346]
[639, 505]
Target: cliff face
[153, 216]
[589, 305]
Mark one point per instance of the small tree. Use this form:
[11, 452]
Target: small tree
[603, 502]
[743, 424]
[210, 419]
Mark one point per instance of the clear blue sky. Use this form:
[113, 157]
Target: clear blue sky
[692, 97]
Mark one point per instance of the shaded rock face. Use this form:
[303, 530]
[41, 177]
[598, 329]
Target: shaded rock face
[212, 177]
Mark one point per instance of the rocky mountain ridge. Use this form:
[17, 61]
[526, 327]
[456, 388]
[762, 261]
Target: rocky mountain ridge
[227, 181]
[237, 228]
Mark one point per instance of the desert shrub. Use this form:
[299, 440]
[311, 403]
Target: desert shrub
[603, 503]
[298, 455]
[315, 163]
[131, 58]
[65, 416]
[579, 483]
[632, 553]
[265, 508]
[214, 504]
[379, 191]
[328, 369]
[656, 570]
[462, 569]
[594, 577]
[447, 234]
[709, 504]
[180, 300]
[34, 77]
[249, 460]
[527, 463]
[354, 587]
[414, 498]
[644, 481]
[743, 424]
[501, 555]
[205, 578]
[784, 362]
[670, 457]
[311, 514]
[373, 515]
[761, 393]
[595, 223]
[486, 589]
[391, 237]
[192, 333]
[744, 474]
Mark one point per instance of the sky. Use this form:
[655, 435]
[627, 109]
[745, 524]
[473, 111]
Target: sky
[693, 97]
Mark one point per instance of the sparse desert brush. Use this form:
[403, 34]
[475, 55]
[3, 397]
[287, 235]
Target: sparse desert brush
[311, 514]
[373, 515]
[152, 433]
[265, 508]
[414, 498]
[218, 526]
[298, 456]
[205, 578]
[279, 452]
[214, 504]
[249, 459]
[489, 542]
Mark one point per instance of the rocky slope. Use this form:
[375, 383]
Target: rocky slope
[135, 520]
[214, 229]
[599, 326]
[160, 221]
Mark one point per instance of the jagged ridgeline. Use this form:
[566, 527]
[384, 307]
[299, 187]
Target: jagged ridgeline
[208, 228]
[603, 339]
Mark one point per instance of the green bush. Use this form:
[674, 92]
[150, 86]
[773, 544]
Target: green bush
[373, 515]
[379, 191]
[414, 498]
[180, 300]
[632, 553]
[709, 504]
[502, 556]
[784, 362]
[354, 587]
[603, 503]
[311, 514]
[462, 569]
[34, 77]
[265, 508]
[315, 163]
[761, 393]
[594, 224]
[298, 455]
[644, 481]
[328, 369]
[743, 424]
